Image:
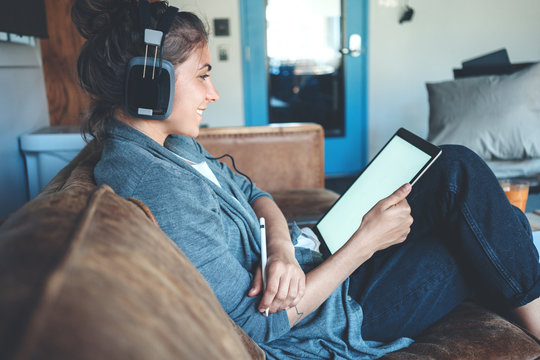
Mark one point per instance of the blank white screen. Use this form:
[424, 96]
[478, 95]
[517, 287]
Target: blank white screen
[396, 165]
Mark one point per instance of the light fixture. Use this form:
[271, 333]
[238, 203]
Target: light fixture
[389, 3]
[407, 14]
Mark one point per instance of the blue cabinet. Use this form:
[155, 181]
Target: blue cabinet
[46, 151]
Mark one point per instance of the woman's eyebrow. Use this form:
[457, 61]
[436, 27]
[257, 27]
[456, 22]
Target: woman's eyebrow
[206, 65]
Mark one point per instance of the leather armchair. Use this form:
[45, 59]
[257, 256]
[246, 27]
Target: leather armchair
[286, 160]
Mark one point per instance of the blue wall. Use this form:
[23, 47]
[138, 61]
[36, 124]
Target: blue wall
[23, 107]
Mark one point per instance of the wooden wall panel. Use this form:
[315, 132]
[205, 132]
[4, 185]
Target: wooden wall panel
[67, 101]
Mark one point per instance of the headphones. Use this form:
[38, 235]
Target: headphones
[150, 90]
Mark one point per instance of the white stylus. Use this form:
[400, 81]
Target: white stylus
[263, 255]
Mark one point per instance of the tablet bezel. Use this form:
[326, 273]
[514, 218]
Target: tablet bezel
[421, 144]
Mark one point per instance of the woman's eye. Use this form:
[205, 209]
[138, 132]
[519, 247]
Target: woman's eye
[204, 76]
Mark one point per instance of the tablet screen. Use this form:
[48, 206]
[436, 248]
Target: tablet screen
[399, 162]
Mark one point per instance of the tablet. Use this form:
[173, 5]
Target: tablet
[403, 159]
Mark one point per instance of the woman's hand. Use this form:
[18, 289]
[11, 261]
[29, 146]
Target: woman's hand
[386, 224]
[285, 280]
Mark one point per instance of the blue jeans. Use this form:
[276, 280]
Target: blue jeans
[466, 242]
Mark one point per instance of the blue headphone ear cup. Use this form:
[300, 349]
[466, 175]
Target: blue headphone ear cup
[147, 97]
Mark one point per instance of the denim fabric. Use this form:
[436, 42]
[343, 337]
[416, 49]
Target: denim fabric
[466, 241]
[221, 238]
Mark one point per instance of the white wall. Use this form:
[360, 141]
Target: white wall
[23, 107]
[402, 58]
[226, 75]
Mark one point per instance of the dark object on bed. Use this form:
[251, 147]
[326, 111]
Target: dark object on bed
[498, 57]
[494, 63]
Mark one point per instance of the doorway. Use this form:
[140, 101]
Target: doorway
[305, 61]
[305, 65]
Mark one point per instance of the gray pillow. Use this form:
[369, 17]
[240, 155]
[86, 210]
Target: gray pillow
[496, 116]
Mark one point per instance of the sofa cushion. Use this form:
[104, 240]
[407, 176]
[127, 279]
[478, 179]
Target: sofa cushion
[86, 274]
[470, 332]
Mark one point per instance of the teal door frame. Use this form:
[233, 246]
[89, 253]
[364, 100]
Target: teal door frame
[343, 155]
[254, 65]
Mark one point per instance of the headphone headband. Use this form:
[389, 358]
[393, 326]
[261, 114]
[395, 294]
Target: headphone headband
[166, 19]
[164, 23]
[144, 13]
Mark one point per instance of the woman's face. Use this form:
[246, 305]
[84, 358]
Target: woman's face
[193, 90]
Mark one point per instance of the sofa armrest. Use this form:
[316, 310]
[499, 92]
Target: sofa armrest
[305, 207]
[276, 157]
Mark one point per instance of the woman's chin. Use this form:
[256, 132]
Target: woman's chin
[192, 133]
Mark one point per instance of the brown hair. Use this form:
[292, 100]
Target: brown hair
[114, 35]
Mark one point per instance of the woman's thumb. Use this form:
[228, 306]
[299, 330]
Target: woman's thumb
[398, 195]
[256, 286]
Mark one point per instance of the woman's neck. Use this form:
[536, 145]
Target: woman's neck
[154, 129]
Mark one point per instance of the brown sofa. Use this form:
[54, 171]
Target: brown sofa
[86, 274]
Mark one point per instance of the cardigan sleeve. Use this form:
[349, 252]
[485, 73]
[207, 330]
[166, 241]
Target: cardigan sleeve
[189, 212]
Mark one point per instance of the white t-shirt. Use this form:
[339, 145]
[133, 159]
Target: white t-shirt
[203, 169]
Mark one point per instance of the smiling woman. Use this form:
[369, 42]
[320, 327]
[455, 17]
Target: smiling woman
[368, 298]
[102, 68]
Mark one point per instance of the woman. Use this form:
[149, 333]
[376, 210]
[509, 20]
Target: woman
[390, 281]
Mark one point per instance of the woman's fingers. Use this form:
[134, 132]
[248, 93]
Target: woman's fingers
[272, 287]
[257, 283]
[291, 295]
[396, 197]
[283, 296]
[388, 222]
[285, 287]
[301, 285]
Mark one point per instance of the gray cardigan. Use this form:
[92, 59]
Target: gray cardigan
[218, 231]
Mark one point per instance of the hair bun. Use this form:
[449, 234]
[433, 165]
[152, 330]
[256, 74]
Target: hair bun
[92, 16]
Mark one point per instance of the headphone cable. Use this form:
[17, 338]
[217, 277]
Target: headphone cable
[236, 169]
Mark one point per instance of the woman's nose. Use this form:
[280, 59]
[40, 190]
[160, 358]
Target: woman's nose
[213, 94]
